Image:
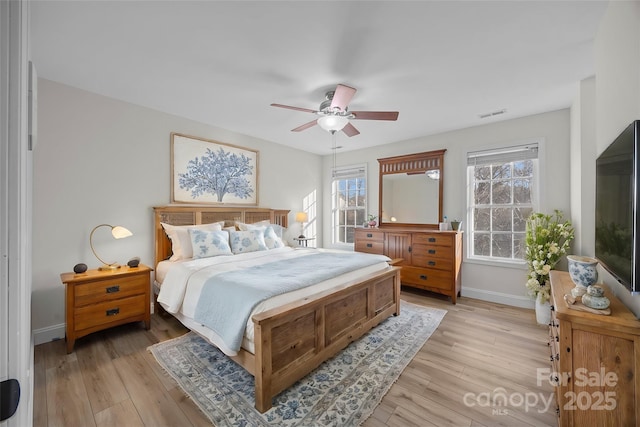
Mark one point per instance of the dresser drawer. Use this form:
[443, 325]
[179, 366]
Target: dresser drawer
[369, 247]
[427, 277]
[110, 289]
[109, 311]
[369, 235]
[437, 239]
[422, 259]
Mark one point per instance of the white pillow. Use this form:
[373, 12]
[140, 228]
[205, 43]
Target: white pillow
[271, 239]
[244, 227]
[247, 241]
[180, 239]
[279, 230]
[209, 243]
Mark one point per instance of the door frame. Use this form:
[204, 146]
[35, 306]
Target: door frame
[16, 361]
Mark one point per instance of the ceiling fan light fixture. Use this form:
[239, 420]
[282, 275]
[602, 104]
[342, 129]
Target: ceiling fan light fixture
[332, 123]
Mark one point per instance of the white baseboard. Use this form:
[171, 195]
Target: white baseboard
[50, 333]
[499, 297]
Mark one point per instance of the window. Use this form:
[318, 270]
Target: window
[502, 193]
[349, 191]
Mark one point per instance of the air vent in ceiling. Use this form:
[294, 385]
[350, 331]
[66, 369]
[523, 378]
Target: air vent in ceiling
[493, 113]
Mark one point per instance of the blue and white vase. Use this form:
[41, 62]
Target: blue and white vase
[583, 272]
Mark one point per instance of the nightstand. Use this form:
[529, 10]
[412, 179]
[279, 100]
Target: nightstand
[97, 300]
[302, 241]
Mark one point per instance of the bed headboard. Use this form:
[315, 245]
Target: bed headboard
[194, 215]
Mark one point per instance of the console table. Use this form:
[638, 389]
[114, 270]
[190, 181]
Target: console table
[595, 361]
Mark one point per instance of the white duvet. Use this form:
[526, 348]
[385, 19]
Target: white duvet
[182, 283]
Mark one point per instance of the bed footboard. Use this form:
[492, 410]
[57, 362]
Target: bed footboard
[292, 340]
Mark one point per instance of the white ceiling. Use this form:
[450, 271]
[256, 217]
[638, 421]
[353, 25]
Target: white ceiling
[440, 64]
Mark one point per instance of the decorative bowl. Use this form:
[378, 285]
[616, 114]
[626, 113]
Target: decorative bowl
[595, 298]
[582, 270]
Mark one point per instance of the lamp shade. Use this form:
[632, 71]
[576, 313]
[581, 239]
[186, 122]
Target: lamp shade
[118, 232]
[332, 123]
[302, 217]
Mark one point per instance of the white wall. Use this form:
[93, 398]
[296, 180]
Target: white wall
[489, 282]
[617, 53]
[100, 160]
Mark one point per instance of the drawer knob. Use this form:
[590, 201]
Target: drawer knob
[113, 311]
[423, 277]
[369, 235]
[369, 245]
[431, 263]
[432, 239]
[113, 289]
[432, 251]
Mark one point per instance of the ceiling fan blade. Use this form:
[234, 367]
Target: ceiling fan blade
[306, 110]
[350, 130]
[375, 115]
[305, 126]
[342, 97]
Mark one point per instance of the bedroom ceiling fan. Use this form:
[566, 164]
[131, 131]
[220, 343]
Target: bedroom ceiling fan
[335, 115]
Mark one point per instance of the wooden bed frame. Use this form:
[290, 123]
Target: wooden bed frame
[292, 340]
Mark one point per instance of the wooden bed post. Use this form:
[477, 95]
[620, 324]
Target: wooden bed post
[263, 365]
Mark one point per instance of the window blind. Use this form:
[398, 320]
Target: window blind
[357, 171]
[503, 155]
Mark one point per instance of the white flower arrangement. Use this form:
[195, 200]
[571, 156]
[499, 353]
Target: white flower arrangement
[547, 240]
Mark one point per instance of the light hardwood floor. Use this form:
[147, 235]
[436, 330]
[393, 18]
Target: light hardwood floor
[480, 351]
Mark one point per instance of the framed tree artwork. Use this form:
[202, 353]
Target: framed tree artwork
[206, 171]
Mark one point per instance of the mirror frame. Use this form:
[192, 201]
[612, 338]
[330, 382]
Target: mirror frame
[412, 163]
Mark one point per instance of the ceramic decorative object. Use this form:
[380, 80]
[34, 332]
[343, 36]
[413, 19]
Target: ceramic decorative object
[595, 298]
[455, 225]
[583, 273]
[79, 268]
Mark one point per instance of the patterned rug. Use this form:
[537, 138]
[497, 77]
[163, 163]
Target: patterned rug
[343, 391]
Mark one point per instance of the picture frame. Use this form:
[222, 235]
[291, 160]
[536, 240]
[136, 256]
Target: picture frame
[199, 166]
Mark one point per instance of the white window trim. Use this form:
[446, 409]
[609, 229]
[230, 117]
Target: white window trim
[538, 199]
[344, 172]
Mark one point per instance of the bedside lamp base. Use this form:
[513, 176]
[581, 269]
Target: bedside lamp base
[109, 267]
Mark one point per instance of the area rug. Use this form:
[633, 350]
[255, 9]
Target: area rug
[343, 391]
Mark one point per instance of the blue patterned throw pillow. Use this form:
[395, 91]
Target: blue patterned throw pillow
[209, 243]
[247, 241]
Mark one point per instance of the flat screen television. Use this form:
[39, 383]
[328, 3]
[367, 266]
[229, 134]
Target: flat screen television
[617, 211]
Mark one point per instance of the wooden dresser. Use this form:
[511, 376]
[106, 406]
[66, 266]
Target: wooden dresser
[595, 361]
[431, 259]
[97, 300]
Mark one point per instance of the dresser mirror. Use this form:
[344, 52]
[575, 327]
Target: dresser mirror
[411, 189]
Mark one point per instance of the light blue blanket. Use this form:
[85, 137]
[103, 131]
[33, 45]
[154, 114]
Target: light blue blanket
[227, 299]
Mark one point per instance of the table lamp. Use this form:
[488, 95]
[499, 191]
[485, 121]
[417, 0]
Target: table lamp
[301, 217]
[118, 232]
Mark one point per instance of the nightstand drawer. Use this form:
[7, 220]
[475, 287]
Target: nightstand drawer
[111, 289]
[109, 311]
